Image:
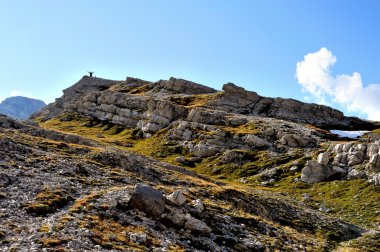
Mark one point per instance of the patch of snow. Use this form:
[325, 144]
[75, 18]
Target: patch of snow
[349, 134]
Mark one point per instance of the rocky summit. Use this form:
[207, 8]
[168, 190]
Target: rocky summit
[174, 165]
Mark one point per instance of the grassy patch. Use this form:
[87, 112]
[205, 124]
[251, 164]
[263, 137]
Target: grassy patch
[193, 100]
[376, 131]
[52, 241]
[248, 128]
[83, 202]
[368, 242]
[47, 201]
[92, 129]
[355, 201]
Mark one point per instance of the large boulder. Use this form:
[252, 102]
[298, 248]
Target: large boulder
[314, 172]
[293, 140]
[148, 200]
[256, 141]
[203, 149]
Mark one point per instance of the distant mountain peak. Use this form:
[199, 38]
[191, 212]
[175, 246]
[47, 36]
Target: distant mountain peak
[20, 107]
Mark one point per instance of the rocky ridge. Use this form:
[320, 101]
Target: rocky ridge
[153, 106]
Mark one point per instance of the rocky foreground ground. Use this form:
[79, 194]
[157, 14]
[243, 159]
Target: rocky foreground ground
[177, 166]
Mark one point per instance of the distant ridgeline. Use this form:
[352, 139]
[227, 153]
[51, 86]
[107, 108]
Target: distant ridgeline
[19, 107]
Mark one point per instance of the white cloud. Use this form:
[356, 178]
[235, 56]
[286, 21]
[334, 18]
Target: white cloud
[314, 74]
[18, 93]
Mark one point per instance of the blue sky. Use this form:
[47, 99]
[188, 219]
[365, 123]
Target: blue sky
[46, 46]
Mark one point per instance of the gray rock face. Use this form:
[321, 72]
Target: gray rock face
[148, 199]
[355, 174]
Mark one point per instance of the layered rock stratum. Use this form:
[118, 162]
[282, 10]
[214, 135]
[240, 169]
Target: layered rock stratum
[174, 165]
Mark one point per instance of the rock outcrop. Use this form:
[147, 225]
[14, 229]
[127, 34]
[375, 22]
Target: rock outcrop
[237, 100]
[351, 160]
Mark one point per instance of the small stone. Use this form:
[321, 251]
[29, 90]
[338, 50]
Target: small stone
[324, 209]
[198, 204]
[177, 198]
[306, 197]
[138, 237]
[196, 225]
[180, 159]
[294, 168]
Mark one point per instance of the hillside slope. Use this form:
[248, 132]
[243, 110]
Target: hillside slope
[178, 166]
